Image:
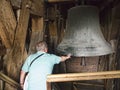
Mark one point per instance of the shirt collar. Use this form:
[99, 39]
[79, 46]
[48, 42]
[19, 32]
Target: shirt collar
[40, 52]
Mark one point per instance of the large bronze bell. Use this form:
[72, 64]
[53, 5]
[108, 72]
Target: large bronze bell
[83, 36]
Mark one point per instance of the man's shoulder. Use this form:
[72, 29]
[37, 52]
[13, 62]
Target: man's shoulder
[50, 55]
[32, 55]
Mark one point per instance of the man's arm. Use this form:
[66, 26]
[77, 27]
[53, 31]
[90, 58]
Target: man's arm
[64, 58]
[22, 78]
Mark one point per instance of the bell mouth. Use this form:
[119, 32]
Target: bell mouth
[83, 36]
[83, 52]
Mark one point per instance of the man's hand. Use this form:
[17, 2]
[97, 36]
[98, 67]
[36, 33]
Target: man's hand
[63, 58]
[22, 85]
[69, 55]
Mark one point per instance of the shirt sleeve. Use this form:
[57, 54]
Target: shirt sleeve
[25, 66]
[57, 59]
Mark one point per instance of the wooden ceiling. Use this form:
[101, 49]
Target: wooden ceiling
[37, 4]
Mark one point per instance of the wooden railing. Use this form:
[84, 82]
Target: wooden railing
[8, 80]
[81, 76]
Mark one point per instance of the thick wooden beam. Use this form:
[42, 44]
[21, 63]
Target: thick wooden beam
[18, 53]
[16, 3]
[115, 23]
[8, 23]
[37, 33]
[4, 36]
[105, 4]
[52, 1]
[37, 7]
[2, 50]
[83, 76]
[21, 29]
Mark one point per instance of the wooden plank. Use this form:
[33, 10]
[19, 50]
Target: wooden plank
[4, 37]
[83, 76]
[37, 7]
[115, 20]
[16, 3]
[21, 30]
[53, 36]
[52, 1]
[7, 18]
[37, 33]
[2, 50]
[8, 80]
[88, 84]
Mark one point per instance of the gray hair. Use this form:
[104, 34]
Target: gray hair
[42, 45]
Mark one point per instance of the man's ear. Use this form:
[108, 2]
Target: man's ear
[46, 50]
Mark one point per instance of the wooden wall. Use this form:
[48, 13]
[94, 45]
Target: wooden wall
[21, 26]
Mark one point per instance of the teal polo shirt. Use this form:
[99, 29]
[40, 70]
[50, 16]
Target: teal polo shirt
[39, 69]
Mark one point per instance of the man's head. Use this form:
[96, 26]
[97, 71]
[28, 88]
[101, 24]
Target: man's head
[41, 46]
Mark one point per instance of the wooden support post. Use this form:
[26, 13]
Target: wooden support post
[48, 85]
[2, 85]
[37, 33]
[18, 52]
